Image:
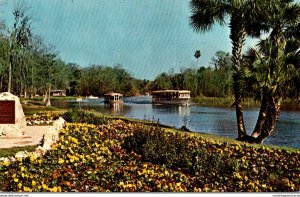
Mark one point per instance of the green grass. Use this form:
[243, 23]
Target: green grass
[219, 101]
[29, 110]
[8, 152]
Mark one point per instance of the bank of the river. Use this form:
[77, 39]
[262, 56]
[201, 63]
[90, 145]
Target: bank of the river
[247, 102]
[121, 154]
[29, 111]
[216, 120]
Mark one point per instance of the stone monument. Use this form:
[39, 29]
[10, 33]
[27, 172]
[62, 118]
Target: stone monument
[17, 127]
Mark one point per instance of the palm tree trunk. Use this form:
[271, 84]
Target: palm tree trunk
[273, 112]
[262, 116]
[237, 36]
[239, 115]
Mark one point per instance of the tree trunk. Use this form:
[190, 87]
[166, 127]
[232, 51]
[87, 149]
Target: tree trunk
[9, 77]
[45, 97]
[273, 112]
[48, 103]
[237, 36]
[262, 116]
[266, 122]
[25, 90]
[239, 115]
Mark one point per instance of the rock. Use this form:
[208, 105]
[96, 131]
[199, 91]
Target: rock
[21, 154]
[17, 129]
[39, 151]
[52, 134]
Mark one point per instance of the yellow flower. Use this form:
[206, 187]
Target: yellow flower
[44, 186]
[6, 163]
[16, 180]
[139, 183]
[33, 183]
[22, 169]
[20, 185]
[27, 189]
[54, 189]
[61, 161]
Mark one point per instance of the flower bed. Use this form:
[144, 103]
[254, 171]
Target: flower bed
[43, 118]
[120, 156]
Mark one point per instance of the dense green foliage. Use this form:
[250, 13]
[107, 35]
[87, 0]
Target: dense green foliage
[99, 80]
[178, 152]
[210, 82]
[84, 117]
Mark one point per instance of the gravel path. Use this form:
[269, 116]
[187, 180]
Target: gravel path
[33, 136]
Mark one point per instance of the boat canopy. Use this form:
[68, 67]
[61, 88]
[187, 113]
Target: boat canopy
[113, 94]
[171, 91]
[113, 97]
[171, 94]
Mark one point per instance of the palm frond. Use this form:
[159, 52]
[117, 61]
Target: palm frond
[292, 14]
[293, 59]
[205, 13]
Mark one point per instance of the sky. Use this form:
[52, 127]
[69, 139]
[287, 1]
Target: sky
[147, 37]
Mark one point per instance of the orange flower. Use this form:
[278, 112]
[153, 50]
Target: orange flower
[55, 175]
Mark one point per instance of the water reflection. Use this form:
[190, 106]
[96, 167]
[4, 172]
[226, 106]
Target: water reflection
[180, 110]
[115, 108]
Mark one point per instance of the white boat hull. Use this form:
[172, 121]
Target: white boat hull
[174, 101]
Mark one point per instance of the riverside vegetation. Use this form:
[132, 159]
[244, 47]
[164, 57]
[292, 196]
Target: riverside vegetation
[117, 155]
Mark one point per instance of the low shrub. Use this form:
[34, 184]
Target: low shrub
[78, 116]
[178, 151]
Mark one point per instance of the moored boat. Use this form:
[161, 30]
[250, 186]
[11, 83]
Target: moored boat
[113, 98]
[91, 97]
[172, 97]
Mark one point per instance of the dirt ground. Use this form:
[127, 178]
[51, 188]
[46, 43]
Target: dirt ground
[33, 136]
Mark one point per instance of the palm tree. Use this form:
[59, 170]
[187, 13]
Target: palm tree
[197, 55]
[273, 68]
[269, 71]
[248, 17]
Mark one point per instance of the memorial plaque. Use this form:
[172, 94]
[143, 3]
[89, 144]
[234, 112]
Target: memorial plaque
[7, 112]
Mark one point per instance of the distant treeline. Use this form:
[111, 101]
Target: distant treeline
[29, 66]
[98, 80]
[213, 81]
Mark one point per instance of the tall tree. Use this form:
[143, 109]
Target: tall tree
[272, 69]
[246, 18]
[19, 41]
[197, 55]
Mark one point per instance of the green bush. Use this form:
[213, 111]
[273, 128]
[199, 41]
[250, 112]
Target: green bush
[176, 151]
[78, 116]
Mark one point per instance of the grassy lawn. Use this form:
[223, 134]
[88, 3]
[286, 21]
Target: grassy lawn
[8, 152]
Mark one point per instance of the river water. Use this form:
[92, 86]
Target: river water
[213, 120]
